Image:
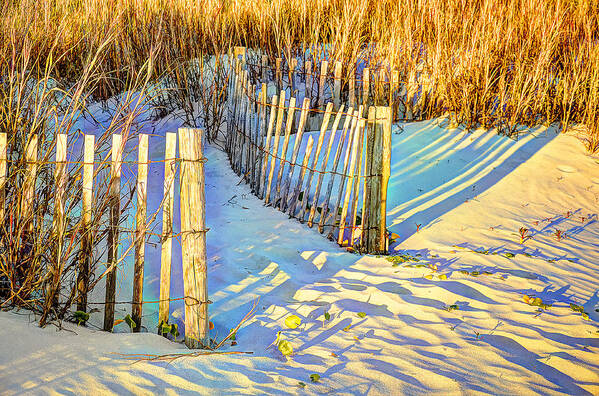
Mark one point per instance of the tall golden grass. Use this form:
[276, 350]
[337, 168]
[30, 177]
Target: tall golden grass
[491, 63]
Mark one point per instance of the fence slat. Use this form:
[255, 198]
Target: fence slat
[323, 167]
[348, 187]
[279, 74]
[271, 123]
[167, 227]
[264, 71]
[275, 147]
[87, 237]
[337, 86]
[278, 200]
[325, 207]
[379, 119]
[356, 194]
[393, 93]
[140, 230]
[365, 88]
[113, 238]
[322, 83]
[298, 186]
[261, 136]
[308, 72]
[352, 88]
[193, 237]
[58, 225]
[323, 130]
[296, 147]
[26, 207]
[2, 176]
[346, 161]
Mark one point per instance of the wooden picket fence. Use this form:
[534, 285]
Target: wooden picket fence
[353, 213]
[193, 231]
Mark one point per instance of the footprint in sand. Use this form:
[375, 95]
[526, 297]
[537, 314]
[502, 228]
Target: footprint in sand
[566, 169]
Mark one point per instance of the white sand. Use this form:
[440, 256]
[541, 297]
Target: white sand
[470, 190]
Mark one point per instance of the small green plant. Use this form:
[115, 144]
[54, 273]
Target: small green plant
[452, 307]
[559, 234]
[535, 302]
[314, 377]
[81, 317]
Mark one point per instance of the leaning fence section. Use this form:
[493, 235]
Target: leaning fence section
[189, 163]
[326, 164]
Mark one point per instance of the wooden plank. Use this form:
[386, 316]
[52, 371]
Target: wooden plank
[193, 238]
[261, 136]
[58, 226]
[3, 168]
[140, 230]
[264, 69]
[323, 130]
[167, 227]
[368, 172]
[323, 167]
[279, 74]
[295, 199]
[384, 114]
[393, 95]
[348, 187]
[296, 147]
[322, 83]
[26, 207]
[288, 125]
[292, 69]
[86, 259]
[352, 88]
[376, 240]
[337, 85]
[336, 211]
[356, 193]
[365, 88]
[325, 207]
[266, 152]
[113, 233]
[308, 72]
[256, 139]
[275, 147]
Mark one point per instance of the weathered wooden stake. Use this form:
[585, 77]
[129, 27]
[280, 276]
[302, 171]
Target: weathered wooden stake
[298, 186]
[271, 124]
[193, 238]
[113, 233]
[337, 85]
[87, 237]
[323, 168]
[275, 147]
[278, 200]
[140, 231]
[322, 84]
[167, 228]
[279, 74]
[348, 188]
[323, 131]
[352, 88]
[365, 89]
[2, 175]
[26, 207]
[296, 147]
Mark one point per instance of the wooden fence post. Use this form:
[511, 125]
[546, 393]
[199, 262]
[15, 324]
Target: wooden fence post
[279, 74]
[365, 88]
[378, 164]
[340, 144]
[288, 125]
[2, 175]
[350, 181]
[113, 233]
[140, 231]
[264, 71]
[337, 85]
[393, 93]
[323, 168]
[275, 148]
[296, 146]
[87, 238]
[308, 86]
[26, 207]
[323, 130]
[58, 227]
[352, 88]
[271, 124]
[298, 187]
[167, 228]
[193, 237]
[323, 81]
